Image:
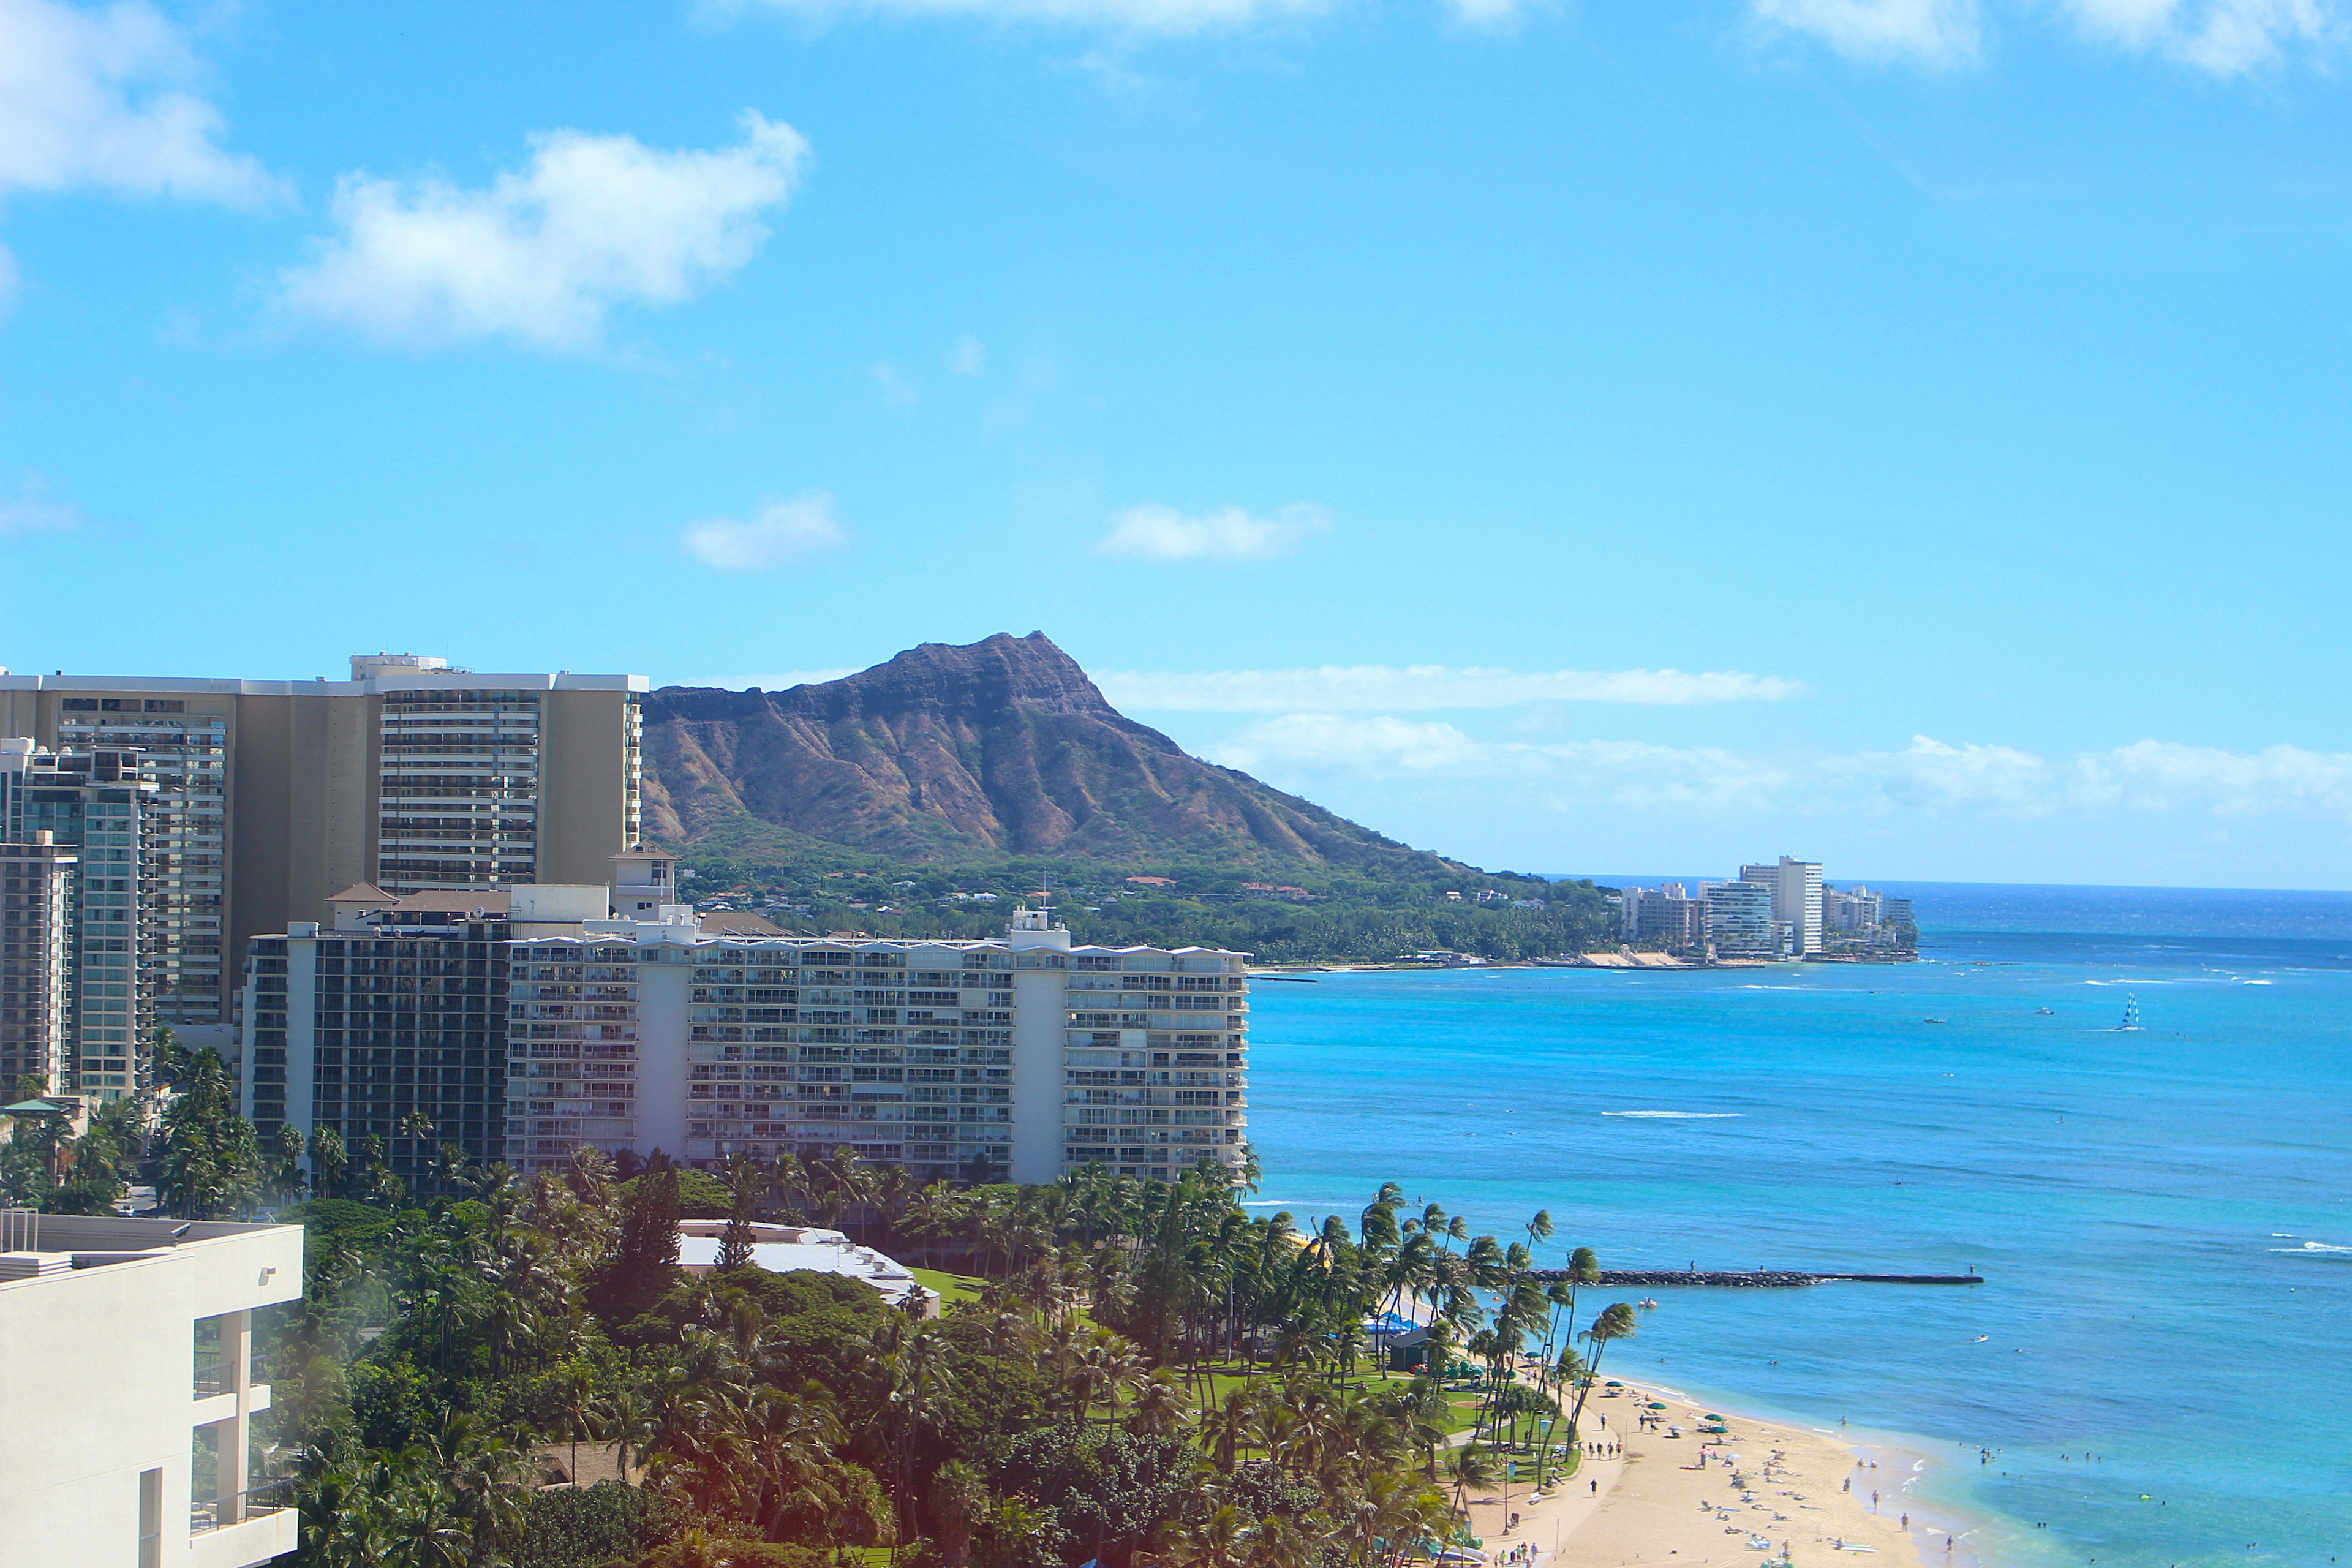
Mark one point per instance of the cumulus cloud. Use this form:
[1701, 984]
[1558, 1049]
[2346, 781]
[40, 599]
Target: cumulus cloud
[2223, 37]
[1160, 17]
[1926, 32]
[895, 389]
[29, 514]
[781, 533]
[1928, 776]
[1229, 533]
[1424, 688]
[545, 253]
[105, 98]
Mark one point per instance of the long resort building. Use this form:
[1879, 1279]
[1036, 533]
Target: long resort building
[1012, 1058]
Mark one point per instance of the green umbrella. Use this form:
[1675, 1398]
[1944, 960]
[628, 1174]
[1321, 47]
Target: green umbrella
[1656, 1405]
[1613, 1382]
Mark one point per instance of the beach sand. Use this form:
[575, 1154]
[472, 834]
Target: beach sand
[1646, 1508]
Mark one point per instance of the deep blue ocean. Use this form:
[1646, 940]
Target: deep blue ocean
[2163, 1218]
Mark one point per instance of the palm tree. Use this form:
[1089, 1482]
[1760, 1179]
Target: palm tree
[627, 1421]
[1616, 1321]
[576, 1412]
[959, 1498]
[1470, 1466]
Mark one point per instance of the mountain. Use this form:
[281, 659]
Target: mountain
[955, 754]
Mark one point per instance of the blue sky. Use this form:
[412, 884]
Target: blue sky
[1906, 432]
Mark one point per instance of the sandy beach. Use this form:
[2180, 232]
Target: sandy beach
[1795, 1488]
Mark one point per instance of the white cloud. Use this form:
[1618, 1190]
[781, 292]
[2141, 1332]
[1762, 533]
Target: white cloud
[1926, 32]
[7, 279]
[1423, 688]
[1229, 533]
[779, 534]
[545, 253]
[895, 389]
[1166, 16]
[32, 511]
[969, 357]
[2156, 776]
[2224, 37]
[1928, 776]
[103, 98]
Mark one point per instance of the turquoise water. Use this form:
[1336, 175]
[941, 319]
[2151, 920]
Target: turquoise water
[2144, 1206]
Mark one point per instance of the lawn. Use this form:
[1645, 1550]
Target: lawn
[952, 1288]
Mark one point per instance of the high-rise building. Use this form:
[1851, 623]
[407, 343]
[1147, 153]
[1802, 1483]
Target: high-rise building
[36, 979]
[1010, 1059]
[1796, 887]
[100, 804]
[1664, 916]
[1739, 920]
[391, 1023]
[277, 794]
[1015, 1059]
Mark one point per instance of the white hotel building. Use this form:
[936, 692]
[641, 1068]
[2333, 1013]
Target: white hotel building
[1011, 1059]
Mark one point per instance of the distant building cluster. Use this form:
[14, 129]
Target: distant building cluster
[1781, 909]
[413, 909]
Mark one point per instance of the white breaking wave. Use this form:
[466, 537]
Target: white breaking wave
[1678, 1115]
[2310, 1248]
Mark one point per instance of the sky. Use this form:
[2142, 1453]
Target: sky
[1909, 434]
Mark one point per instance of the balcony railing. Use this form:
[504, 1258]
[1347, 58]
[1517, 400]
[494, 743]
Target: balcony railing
[220, 1512]
[216, 1377]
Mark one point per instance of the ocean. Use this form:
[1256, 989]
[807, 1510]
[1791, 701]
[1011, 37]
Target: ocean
[2158, 1363]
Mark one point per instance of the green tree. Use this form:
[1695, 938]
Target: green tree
[735, 1241]
[211, 1161]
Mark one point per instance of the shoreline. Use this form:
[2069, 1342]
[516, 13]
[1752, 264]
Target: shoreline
[1642, 1509]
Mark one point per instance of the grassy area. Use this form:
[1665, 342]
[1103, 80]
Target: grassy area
[952, 1287]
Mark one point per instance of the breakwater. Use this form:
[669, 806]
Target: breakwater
[1750, 1278]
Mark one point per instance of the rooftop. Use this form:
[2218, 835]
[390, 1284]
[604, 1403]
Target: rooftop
[788, 1248]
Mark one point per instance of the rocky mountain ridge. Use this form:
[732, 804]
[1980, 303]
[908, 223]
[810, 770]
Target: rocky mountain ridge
[953, 753]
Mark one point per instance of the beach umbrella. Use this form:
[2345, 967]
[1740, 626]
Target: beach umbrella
[1613, 1382]
[1657, 1404]
[1713, 1416]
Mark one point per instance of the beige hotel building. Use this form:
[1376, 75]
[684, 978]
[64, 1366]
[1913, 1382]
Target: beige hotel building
[407, 776]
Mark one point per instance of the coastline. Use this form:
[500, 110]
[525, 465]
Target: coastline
[1807, 1494]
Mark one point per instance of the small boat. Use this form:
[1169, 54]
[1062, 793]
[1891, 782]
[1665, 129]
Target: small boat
[2131, 1013]
[1931, 1020]
[2045, 1012]
[1647, 1301]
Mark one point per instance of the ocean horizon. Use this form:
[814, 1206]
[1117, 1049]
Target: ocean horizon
[2153, 1371]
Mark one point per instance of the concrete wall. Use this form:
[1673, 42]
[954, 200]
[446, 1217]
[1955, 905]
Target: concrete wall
[665, 980]
[582, 771]
[96, 1386]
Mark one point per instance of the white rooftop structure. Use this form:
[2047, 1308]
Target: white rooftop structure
[788, 1248]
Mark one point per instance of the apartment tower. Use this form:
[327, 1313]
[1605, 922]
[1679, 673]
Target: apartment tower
[1796, 887]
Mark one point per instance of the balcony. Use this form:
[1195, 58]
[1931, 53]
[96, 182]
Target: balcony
[253, 1504]
[214, 1376]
